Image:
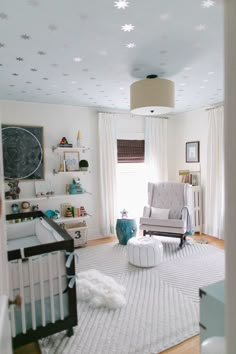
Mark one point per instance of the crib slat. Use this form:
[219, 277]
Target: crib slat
[12, 308]
[42, 298]
[22, 295]
[51, 287]
[32, 296]
[60, 285]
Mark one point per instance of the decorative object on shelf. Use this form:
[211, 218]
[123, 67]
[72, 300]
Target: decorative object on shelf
[78, 140]
[82, 211]
[22, 152]
[64, 207]
[64, 143]
[44, 188]
[83, 165]
[193, 151]
[15, 208]
[14, 191]
[71, 161]
[25, 207]
[52, 214]
[124, 214]
[75, 187]
[68, 212]
[35, 207]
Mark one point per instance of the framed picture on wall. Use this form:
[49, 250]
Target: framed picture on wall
[72, 161]
[193, 151]
[23, 156]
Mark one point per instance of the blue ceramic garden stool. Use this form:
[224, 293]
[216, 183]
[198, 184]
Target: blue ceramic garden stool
[125, 229]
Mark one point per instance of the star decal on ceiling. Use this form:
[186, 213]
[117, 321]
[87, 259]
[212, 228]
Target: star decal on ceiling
[127, 28]
[33, 69]
[121, 4]
[19, 59]
[207, 3]
[25, 36]
[130, 45]
[78, 59]
[2, 45]
[164, 17]
[200, 27]
[40, 52]
[3, 16]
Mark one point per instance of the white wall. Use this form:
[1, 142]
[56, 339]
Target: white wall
[189, 126]
[59, 121]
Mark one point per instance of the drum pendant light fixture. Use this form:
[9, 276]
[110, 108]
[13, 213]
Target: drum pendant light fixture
[152, 96]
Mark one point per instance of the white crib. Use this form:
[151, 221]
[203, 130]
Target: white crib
[42, 273]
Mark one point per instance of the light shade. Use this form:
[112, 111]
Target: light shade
[152, 96]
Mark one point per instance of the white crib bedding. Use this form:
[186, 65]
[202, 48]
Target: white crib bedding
[28, 241]
[28, 232]
[43, 268]
[38, 312]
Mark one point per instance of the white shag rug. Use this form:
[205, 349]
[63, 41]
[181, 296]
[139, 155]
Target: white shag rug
[162, 307]
[100, 290]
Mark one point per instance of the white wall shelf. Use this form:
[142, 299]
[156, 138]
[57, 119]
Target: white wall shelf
[54, 196]
[71, 219]
[55, 172]
[62, 149]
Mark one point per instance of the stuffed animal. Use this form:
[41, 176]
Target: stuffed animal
[14, 191]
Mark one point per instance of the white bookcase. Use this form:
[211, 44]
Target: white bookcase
[197, 208]
[194, 178]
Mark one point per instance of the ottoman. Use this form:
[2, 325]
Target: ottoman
[145, 251]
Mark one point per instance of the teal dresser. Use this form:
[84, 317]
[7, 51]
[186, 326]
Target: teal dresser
[125, 229]
[212, 300]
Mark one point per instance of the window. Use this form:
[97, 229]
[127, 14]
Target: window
[130, 151]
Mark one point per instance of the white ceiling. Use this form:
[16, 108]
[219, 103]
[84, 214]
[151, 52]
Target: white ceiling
[75, 52]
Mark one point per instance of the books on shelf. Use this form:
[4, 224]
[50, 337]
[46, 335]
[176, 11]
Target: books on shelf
[191, 177]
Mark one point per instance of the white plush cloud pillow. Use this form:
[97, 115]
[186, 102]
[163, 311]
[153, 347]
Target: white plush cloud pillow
[159, 213]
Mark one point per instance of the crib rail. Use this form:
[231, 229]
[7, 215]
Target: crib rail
[41, 279]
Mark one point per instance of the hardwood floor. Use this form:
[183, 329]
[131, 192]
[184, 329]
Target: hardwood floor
[191, 345]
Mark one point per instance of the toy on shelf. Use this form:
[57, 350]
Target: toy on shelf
[82, 211]
[64, 143]
[68, 212]
[14, 191]
[25, 207]
[75, 187]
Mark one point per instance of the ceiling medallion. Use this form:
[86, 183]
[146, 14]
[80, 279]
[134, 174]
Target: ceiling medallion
[127, 28]
[207, 3]
[121, 4]
[152, 96]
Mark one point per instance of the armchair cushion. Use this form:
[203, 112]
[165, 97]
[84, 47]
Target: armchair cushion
[159, 213]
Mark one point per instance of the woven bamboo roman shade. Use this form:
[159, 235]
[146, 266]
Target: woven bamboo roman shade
[130, 151]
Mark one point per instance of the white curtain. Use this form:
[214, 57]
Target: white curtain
[107, 164]
[156, 149]
[215, 174]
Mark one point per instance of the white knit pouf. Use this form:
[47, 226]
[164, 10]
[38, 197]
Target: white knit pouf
[145, 251]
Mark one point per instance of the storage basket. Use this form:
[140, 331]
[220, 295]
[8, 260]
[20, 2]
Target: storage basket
[79, 232]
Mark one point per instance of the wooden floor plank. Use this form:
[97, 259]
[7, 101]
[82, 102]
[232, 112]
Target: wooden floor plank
[191, 345]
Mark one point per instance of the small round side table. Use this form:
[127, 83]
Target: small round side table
[125, 229]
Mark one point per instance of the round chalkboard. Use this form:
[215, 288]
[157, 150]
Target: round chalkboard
[22, 153]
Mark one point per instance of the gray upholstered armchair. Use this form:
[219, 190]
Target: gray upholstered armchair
[169, 211]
